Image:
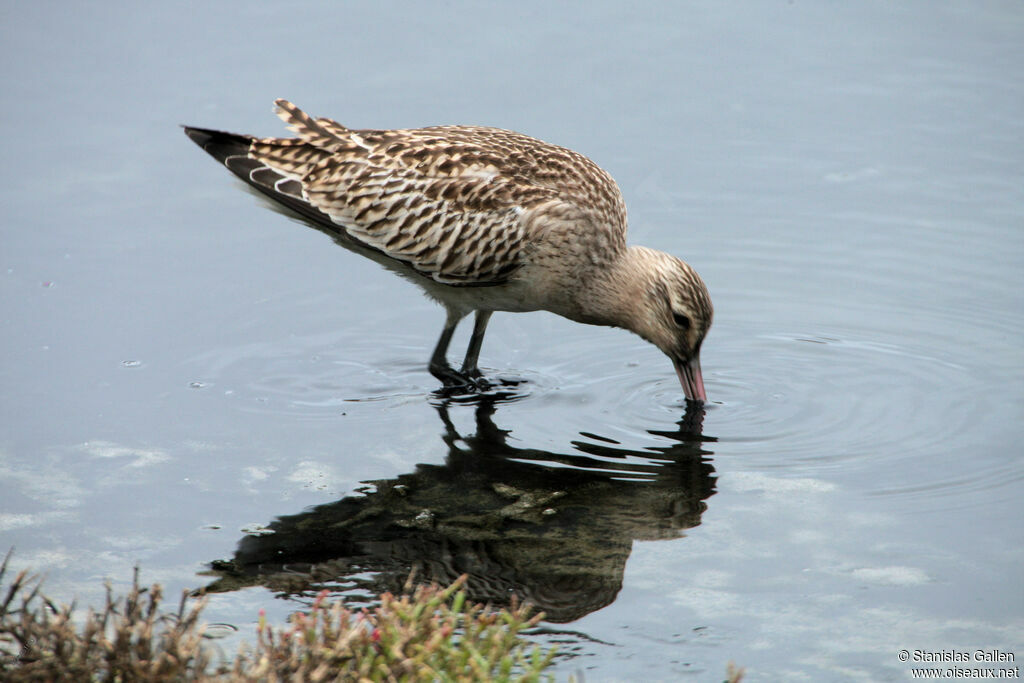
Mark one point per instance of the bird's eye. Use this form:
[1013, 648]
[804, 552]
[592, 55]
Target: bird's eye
[682, 320]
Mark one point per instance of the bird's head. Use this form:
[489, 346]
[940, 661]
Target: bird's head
[673, 312]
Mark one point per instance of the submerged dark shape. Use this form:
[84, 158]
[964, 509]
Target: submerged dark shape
[552, 529]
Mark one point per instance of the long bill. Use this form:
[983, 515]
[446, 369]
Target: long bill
[691, 379]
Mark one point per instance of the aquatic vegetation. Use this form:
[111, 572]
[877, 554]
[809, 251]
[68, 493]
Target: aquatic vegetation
[433, 634]
[130, 638]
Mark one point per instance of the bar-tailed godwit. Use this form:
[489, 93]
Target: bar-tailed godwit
[483, 220]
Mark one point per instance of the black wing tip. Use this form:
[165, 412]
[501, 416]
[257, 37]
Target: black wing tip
[217, 143]
[200, 136]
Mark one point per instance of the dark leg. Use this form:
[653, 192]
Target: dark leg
[469, 368]
[439, 367]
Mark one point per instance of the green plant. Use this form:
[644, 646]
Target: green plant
[432, 634]
[131, 638]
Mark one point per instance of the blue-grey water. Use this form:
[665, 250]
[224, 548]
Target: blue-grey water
[183, 368]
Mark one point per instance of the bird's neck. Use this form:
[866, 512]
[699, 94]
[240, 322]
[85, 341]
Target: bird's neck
[615, 293]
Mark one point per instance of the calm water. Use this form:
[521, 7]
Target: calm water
[184, 369]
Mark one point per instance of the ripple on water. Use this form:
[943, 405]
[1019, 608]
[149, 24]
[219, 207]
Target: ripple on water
[809, 403]
[311, 377]
[888, 352]
[893, 413]
[318, 377]
[613, 386]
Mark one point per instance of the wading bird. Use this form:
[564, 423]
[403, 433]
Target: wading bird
[483, 220]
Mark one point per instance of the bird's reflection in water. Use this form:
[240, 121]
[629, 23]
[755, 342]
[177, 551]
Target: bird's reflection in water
[553, 529]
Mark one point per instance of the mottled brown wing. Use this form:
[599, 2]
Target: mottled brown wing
[448, 200]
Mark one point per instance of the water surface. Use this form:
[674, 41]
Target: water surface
[186, 370]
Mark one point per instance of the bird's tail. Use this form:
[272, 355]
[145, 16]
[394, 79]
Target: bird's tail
[233, 150]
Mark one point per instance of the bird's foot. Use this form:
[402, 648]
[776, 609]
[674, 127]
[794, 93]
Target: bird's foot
[460, 382]
[474, 376]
